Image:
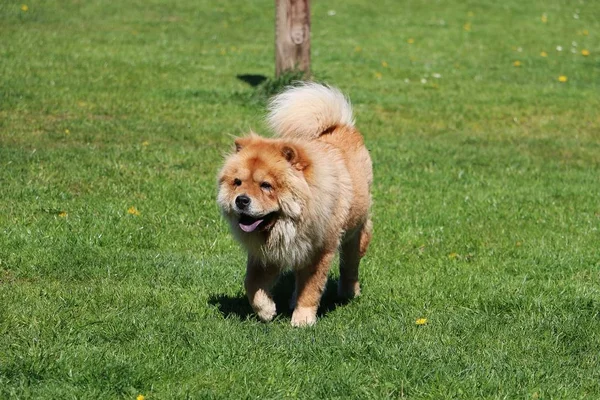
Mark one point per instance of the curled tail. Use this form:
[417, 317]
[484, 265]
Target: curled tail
[308, 110]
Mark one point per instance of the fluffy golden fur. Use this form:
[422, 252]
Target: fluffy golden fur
[292, 201]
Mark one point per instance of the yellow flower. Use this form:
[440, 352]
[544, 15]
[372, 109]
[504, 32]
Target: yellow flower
[223, 52]
[585, 52]
[145, 143]
[24, 8]
[357, 49]
[67, 132]
[585, 32]
[62, 214]
[518, 244]
[384, 64]
[544, 54]
[544, 18]
[517, 63]
[452, 255]
[467, 27]
[421, 321]
[410, 41]
[378, 75]
[133, 211]
[471, 14]
[563, 78]
[140, 397]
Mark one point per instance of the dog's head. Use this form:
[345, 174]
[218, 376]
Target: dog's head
[262, 182]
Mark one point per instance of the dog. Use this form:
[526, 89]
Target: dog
[294, 200]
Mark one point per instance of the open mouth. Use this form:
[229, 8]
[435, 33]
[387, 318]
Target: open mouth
[249, 223]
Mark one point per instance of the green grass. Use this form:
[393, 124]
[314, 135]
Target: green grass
[486, 202]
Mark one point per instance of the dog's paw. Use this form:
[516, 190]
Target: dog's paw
[264, 306]
[348, 290]
[304, 316]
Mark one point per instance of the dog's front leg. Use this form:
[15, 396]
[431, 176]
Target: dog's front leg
[310, 284]
[258, 283]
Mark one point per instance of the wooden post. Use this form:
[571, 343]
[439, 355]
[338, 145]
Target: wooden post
[292, 36]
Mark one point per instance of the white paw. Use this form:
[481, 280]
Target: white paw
[304, 316]
[263, 306]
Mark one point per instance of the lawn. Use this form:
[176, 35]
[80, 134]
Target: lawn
[118, 277]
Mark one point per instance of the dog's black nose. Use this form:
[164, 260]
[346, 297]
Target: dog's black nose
[242, 201]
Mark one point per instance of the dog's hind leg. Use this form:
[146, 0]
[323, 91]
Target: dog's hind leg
[352, 250]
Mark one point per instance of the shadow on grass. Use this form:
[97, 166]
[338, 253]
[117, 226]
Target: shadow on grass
[252, 79]
[265, 87]
[239, 307]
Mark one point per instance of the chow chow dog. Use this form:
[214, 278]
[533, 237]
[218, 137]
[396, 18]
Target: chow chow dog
[293, 200]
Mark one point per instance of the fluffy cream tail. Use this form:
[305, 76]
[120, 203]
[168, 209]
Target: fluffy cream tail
[307, 110]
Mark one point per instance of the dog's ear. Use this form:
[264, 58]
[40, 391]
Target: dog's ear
[242, 142]
[294, 156]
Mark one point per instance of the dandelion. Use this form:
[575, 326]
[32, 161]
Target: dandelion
[24, 8]
[467, 27]
[585, 32]
[518, 244]
[544, 54]
[357, 49]
[517, 63]
[452, 256]
[558, 48]
[133, 211]
[67, 132]
[436, 75]
[384, 64]
[470, 14]
[378, 75]
[331, 13]
[62, 214]
[423, 81]
[140, 397]
[585, 52]
[410, 41]
[563, 78]
[145, 143]
[406, 80]
[421, 321]
[544, 18]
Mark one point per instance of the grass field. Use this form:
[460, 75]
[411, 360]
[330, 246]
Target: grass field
[119, 278]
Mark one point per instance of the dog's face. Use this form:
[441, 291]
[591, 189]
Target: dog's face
[260, 183]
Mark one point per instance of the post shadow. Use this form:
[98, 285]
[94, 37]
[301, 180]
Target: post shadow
[252, 79]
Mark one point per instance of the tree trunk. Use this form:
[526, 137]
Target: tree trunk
[292, 36]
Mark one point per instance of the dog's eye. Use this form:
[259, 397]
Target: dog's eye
[266, 186]
[237, 182]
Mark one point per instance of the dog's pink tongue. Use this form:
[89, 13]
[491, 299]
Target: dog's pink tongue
[251, 227]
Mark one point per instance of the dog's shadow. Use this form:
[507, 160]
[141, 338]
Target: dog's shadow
[238, 305]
